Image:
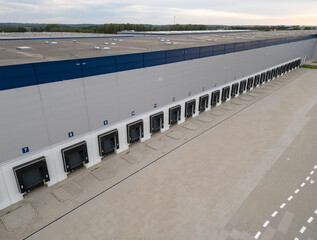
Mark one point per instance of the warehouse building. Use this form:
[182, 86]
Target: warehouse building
[69, 102]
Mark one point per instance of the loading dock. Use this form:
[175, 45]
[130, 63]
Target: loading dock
[293, 64]
[250, 83]
[31, 175]
[256, 80]
[174, 114]
[283, 69]
[225, 93]
[279, 71]
[135, 131]
[215, 97]
[190, 108]
[156, 122]
[262, 78]
[203, 102]
[274, 73]
[108, 142]
[75, 156]
[243, 86]
[268, 76]
[234, 89]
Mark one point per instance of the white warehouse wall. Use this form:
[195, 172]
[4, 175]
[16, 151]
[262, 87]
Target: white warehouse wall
[40, 116]
[8, 185]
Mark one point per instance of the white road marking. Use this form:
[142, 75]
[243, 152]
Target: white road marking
[312, 172]
[290, 198]
[315, 167]
[296, 238]
[276, 212]
[303, 184]
[257, 235]
[310, 219]
[296, 191]
[307, 178]
[266, 223]
[312, 181]
[303, 229]
[316, 211]
[283, 205]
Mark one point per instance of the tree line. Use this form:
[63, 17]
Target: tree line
[114, 28]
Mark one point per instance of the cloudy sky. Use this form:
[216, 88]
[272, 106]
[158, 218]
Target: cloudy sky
[231, 12]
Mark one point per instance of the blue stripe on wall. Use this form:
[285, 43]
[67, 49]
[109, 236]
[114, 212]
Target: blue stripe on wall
[48, 72]
[17, 76]
[97, 66]
[23, 75]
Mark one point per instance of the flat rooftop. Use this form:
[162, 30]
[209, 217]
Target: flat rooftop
[241, 171]
[43, 47]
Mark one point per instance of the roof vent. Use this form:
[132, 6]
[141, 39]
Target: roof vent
[50, 42]
[24, 48]
[211, 40]
[101, 48]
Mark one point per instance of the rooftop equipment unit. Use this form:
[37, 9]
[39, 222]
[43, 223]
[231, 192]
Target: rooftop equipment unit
[24, 48]
[243, 86]
[203, 102]
[215, 98]
[190, 108]
[174, 114]
[135, 131]
[31, 175]
[156, 122]
[225, 93]
[108, 142]
[234, 89]
[75, 156]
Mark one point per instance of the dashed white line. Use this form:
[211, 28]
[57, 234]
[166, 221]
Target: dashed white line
[307, 178]
[296, 191]
[310, 219]
[316, 211]
[283, 205]
[257, 235]
[266, 223]
[296, 238]
[303, 184]
[276, 212]
[312, 172]
[315, 167]
[303, 229]
[290, 198]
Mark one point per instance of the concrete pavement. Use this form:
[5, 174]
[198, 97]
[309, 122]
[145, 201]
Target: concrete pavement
[233, 177]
